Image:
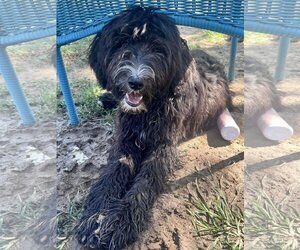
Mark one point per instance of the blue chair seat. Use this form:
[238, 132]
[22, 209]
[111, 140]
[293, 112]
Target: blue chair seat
[26, 20]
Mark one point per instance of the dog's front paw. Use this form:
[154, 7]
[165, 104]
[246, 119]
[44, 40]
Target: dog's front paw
[96, 232]
[112, 230]
[88, 228]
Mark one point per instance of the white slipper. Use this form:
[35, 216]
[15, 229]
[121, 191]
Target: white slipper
[274, 127]
[228, 128]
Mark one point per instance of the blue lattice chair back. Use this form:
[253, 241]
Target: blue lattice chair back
[278, 17]
[77, 19]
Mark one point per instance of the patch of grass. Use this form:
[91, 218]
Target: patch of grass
[39, 51]
[270, 225]
[42, 98]
[205, 38]
[41, 95]
[257, 38]
[20, 225]
[67, 221]
[14, 225]
[75, 54]
[214, 37]
[86, 96]
[5, 101]
[219, 219]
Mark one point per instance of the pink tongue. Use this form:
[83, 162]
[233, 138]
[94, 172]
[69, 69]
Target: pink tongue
[134, 98]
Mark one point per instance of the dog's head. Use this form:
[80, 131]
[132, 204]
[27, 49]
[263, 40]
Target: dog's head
[139, 56]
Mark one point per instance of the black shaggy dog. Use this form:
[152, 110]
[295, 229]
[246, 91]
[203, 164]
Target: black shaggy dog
[163, 99]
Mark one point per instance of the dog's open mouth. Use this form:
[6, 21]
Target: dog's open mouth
[134, 98]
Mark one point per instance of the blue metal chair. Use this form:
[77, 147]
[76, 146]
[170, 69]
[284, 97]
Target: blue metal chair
[23, 21]
[277, 17]
[79, 19]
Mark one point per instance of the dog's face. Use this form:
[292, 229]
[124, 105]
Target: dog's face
[136, 58]
[137, 73]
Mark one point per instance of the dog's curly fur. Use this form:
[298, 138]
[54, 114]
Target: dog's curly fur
[260, 92]
[179, 100]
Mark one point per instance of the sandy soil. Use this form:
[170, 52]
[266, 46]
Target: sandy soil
[274, 167]
[82, 150]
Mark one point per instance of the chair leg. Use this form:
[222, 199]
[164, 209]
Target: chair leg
[15, 89]
[233, 51]
[65, 88]
[281, 59]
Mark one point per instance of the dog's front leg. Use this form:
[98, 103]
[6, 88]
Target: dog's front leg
[111, 185]
[128, 216]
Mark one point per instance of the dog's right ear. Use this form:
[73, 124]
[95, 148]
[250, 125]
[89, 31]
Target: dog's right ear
[97, 56]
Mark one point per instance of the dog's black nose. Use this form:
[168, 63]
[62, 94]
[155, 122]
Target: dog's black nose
[136, 85]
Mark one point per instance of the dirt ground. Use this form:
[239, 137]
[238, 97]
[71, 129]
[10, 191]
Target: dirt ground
[274, 167]
[29, 156]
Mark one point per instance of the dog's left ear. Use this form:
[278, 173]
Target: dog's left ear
[181, 59]
[97, 56]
